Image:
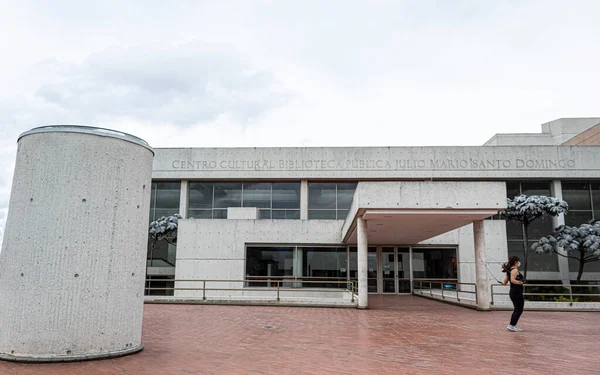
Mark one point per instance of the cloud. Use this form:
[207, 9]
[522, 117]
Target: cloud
[184, 85]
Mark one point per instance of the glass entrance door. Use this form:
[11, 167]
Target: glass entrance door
[403, 273]
[388, 269]
[372, 269]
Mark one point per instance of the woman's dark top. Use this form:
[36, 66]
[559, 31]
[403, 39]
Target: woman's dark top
[516, 287]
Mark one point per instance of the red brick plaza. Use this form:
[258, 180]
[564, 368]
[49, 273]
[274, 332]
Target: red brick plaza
[398, 335]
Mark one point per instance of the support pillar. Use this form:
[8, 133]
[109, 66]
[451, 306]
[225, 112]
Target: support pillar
[184, 199]
[483, 285]
[363, 284]
[304, 200]
[563, 263]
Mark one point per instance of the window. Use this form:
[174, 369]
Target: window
[429, 263]
[584, 201]
[264, 263]
[330, 200]
[537, 229]
[164, 201]
[584, 205]
[275, 200]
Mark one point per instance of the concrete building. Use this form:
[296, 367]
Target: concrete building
[383, 217]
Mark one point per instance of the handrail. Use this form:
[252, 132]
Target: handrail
[350, 286]
[420, 282]
[566, 286]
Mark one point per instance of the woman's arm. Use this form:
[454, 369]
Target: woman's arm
[513, 277]
[505, 280]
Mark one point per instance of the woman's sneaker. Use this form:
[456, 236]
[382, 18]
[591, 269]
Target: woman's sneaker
[513, 328]
[518, 329]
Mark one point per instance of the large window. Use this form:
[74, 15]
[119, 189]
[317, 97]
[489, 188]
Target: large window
[264, 263]
[584, 205]
[431, 263]
[330, 200]
[584, 201]
[537, 229]
[275, 200]
[164, 201]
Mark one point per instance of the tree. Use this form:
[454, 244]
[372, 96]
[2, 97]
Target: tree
[163, 229]
[526, 209]
[580, 243]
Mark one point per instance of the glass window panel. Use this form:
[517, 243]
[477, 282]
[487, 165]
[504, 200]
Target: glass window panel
[201, 195]
[576, 218]
[264, 214]
[167, 195]
[158, 213]
[537, 262]
[264, 262]
[228, 194]
[321, 195]
[219, 214]
[322, 214]
[577, 195]
[324, 262]
[514, 230]
[257, 194]
[513, 189]
[536, 188]
[588, 267]
[286, 214]
[345, 194]
[403, 263]
[353, 257]
[200, 214]
[341, 214]
[372, 269]
[596, 198]
[286, 195]
[434, 263]
[540, 228]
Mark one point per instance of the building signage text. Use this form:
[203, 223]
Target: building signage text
[373, 164]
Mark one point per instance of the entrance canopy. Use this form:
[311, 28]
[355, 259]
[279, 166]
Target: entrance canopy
[408, 212]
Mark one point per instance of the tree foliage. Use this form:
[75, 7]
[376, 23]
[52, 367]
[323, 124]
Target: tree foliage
[526, 209]
[164, 229]
[580, 243]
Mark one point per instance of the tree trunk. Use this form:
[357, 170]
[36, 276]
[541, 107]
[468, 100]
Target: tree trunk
[525, 249]
[581, 265]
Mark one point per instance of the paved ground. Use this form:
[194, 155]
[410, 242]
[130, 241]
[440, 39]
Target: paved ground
[398, 335]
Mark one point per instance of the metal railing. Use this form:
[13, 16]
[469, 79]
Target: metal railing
[419, 289]
[572, 296]
[275, 285]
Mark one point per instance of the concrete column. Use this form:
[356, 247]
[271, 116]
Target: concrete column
[304, 200]
[363, 284]
[563, 263]
[184, 198]
[483, 285]
[73, 259]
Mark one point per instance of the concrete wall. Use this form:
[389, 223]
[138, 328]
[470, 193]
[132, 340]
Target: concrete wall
[72, 264]
[424, 195]
[216, 249]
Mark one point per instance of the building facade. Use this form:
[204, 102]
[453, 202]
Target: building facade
[322, 216]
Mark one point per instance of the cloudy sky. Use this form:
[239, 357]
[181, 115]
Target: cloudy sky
[295, 73]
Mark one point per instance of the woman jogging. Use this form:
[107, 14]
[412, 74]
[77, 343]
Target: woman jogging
[516, 290]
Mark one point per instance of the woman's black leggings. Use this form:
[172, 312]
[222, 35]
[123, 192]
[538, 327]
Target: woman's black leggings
[516, 296]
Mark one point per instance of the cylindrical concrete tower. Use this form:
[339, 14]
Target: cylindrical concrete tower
[73, 259]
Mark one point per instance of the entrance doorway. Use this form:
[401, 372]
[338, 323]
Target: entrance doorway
[392, 269]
